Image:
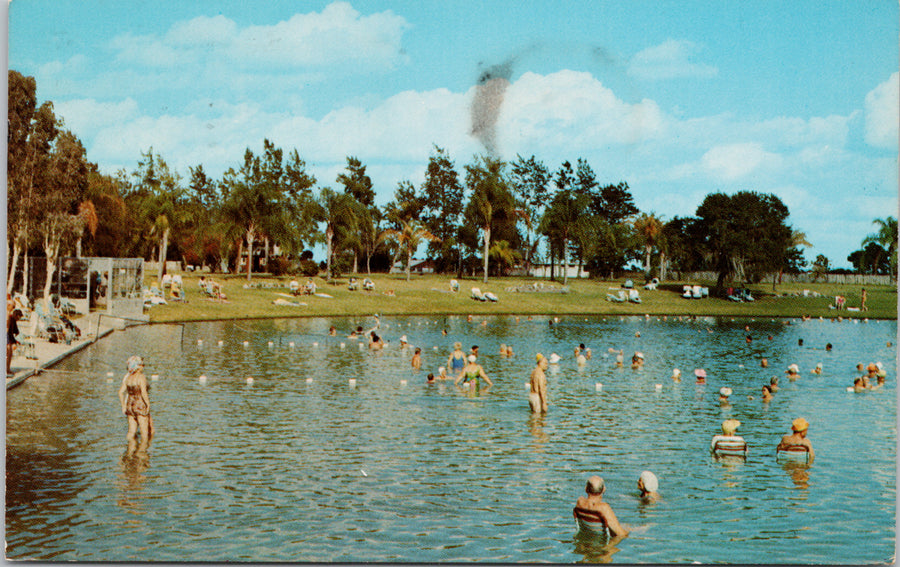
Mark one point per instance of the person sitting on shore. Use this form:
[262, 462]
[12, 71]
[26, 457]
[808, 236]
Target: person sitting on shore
[294, 287]
[310, 287]
[797, 439]
[648, 484]
[595, 515]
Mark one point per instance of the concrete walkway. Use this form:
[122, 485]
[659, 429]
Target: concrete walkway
[46, 354]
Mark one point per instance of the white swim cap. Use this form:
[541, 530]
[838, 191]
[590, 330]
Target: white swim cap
[554, 358]
[441, 369]
[403, 339]
[472, 358]
[650, 482]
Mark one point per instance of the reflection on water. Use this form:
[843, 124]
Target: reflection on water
[308, 468]
[595, 548]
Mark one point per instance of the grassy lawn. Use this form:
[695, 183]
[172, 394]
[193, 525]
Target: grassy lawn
[430, 295]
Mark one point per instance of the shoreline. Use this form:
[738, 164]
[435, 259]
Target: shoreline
[429, 295]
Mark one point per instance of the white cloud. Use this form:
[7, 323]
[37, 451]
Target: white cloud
[88, 116]
[882, 109]
[337, 36]
[669, 60]
[736, 161]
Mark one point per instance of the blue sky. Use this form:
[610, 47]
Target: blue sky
[678, 98]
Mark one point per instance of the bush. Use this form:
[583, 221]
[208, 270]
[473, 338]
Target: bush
[308, 268]
[279, 265]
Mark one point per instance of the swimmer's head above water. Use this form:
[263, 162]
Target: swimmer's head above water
[595, 485]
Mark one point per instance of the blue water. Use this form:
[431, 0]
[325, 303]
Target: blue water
[286, 470]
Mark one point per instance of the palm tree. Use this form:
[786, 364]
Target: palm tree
[649, 229]
[566, 215]
[504, 255]
[886, 237]
[408, 239]
[490, 198]
[339, 213]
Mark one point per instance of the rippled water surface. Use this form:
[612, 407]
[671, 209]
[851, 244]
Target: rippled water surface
[287, 470]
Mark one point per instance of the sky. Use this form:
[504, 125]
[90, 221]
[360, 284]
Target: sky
[679, 99]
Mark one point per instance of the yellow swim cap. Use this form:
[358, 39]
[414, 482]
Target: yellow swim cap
[539, 357]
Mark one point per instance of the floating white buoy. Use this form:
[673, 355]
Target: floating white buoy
[849, 388]
[109, 373]
[109, 380]
[221, 343]
[271, 344]
[363, 472]
[403, 382]
[740, 365]
[202, 378]
[309, 380]
[199, 341]
[352, 382]
[315, 344]
[343, 345]
[361, 345]
[291, 344]
[598, 386]
[658, 386]
[249, 379]
[246, 343]
[154, 376]
[435, 348]
[527, 386]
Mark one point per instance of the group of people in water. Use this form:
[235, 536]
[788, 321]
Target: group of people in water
[591, 512]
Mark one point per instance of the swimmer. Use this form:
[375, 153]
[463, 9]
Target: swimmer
[444, 332]
[417, 359]
[472, 372]
[793, 371]
[474, 350]
[430, 378]
[701, 375]
[797, 439]
[767, 394]
[859, 385]
[135, 401]
[882, 374]
[773, 384]
[648, 484]
[537, 398]
[637, 360]
[591, 509]
[620, 358]
[375, 342]
[860, 367]
[799, 342]
[457, 360]
[676, 375]
[509, 351]
[332, 331]
[764, 363]
[828, 347]
[724, 392]
[503, 350]
[442, 374]
[817, 369]
[729, 426]
[403, 342]
[581, 360]
[749, 339]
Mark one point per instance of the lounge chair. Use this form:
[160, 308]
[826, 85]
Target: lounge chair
[454, 285]
[477, 295]
[695, 292]
[368, 284]
[628, 284]
[491, 297]
[620, 298]
[687, 292]
[353, 285]
[634, 296]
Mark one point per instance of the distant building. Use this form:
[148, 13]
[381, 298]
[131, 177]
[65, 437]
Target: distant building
[415, 266]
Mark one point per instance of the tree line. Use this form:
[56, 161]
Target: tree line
[488, 217]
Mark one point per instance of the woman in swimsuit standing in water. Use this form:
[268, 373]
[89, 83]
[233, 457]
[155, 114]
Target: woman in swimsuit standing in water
[472, 372]
[457, 360]
[136, 402]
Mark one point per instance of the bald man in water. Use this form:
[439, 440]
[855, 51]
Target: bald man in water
[593, 509]
[538, 396]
